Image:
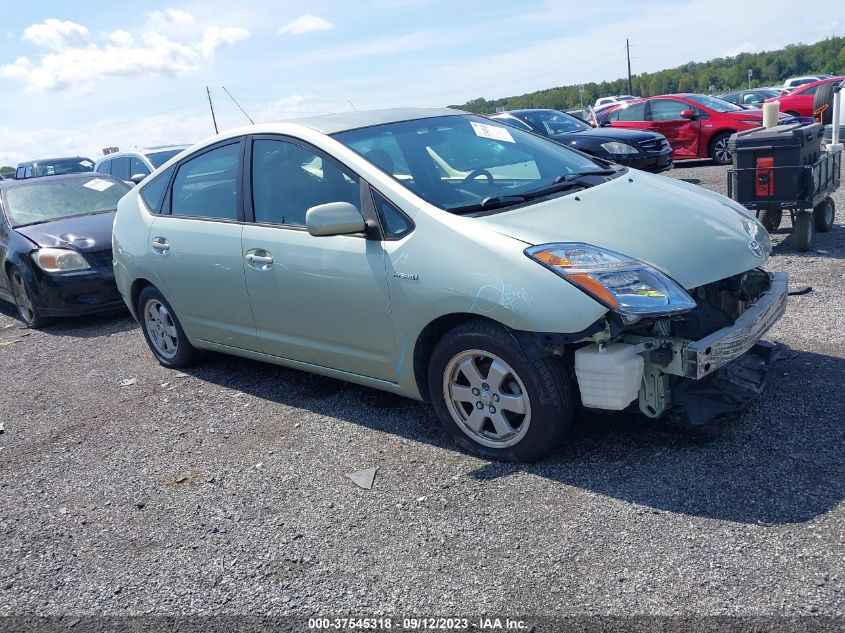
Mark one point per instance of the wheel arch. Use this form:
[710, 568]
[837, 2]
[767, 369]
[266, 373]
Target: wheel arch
[135, 291]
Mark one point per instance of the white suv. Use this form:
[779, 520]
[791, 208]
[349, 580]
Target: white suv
[135, 165]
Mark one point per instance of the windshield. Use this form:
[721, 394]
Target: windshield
[554, 122]
[63, 166]
[159, 158]
[46, 200]
[714, 103]
[458, 161]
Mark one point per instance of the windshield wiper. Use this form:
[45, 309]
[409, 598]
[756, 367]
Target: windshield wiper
[579, 174]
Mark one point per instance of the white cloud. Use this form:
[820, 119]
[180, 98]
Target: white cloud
[74, 60]
[57, 35]
[305, 24]
[745, 47]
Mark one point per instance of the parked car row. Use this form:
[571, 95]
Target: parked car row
[443, 256]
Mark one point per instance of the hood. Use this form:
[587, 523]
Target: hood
[605, 134]
[694, 235]
[82, 233]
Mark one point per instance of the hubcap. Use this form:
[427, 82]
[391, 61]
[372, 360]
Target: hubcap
[486, 399]
[721, 150]
[828, 214]
[22, 300]
[160, 327]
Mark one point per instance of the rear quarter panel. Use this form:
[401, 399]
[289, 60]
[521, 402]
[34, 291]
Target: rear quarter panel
[130, 245]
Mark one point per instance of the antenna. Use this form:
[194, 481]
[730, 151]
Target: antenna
[238, 104]
[211, 105]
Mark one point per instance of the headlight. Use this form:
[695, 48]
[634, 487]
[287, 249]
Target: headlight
[59, 260]
[625, 285]
[620, 149]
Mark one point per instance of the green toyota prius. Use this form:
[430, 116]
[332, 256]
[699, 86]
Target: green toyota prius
[445, 257]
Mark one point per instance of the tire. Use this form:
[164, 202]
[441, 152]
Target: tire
[466, 363]
[162, 330]
[824, 97]
[824, 215]
[803, 231]
[771, 219]
[25, 300]
[719, 149]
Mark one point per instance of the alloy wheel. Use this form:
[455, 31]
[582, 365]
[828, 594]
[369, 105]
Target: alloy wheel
[486, 399]
[22, 299]
[161, 328]
[720, 149]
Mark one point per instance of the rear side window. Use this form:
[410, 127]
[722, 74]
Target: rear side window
[104, 167]
[634, 112]
[204, 186]
[152, 192]
[120, 167]
[137, 166]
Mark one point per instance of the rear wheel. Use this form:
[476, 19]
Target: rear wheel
[494, 401]
[25, 301]
[162, 330]
[771, 219]
[719, 151]
[803, 231]
[824, 215]
[823, 100]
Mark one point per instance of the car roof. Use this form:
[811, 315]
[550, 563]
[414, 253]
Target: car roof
[804, 87]
[30, 182]
[143, 151]
[49, 160]
[345, 121]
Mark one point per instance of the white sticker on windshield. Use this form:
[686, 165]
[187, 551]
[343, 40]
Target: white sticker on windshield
[492, 131]
[98, 184]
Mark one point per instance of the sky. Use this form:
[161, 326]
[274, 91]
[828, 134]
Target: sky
[76, 77]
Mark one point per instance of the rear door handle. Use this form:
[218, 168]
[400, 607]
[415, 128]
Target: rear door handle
[160, 244]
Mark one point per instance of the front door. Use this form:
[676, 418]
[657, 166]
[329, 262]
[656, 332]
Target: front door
[318, 300]
[664, 116]
[197, 250]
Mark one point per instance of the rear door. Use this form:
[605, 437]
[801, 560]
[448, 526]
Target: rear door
[664, 116]
[196, 248]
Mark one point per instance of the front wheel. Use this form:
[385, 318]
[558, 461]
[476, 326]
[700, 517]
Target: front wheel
[824, 215]
[803, 231]
[162, 330]
[719, 151]
[494, 401]
[25, 301]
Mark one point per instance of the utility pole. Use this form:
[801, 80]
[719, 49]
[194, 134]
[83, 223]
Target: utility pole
[239, 105]
[628, 50]
[211, 105]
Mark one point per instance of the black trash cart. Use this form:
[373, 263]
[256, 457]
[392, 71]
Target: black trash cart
[783, 169]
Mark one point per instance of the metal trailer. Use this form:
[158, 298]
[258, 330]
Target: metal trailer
[808, 201]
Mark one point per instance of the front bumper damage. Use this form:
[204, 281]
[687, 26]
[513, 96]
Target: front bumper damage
[696, 382]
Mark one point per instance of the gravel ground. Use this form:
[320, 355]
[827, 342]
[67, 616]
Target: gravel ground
[223, 490]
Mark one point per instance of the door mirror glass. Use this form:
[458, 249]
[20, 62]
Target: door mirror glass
[334, 218]
[687, 114]
[137, 178]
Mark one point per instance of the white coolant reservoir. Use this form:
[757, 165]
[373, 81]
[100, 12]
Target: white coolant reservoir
[609, 378]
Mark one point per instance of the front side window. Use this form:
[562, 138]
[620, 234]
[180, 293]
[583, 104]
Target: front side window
[458, 161]
[137, 166]
[104, 167]
[204, 186]
[732, 97]
[53, 198]
[667, 110]
[288, 179]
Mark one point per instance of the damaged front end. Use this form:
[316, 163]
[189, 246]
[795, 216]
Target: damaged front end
[691, 367]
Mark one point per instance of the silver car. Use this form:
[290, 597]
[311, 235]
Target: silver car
[133, 166]
[444, 257]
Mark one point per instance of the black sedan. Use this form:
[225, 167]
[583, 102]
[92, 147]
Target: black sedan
[55, 245]
[639, 149]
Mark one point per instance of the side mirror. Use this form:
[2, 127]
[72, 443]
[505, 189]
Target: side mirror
[334, 218]
[687, 114]
[137, 178]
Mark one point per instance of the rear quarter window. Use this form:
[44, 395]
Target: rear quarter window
[152, 192]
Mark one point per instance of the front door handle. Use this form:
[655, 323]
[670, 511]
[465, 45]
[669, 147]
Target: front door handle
[160, 244]
[258, 258]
